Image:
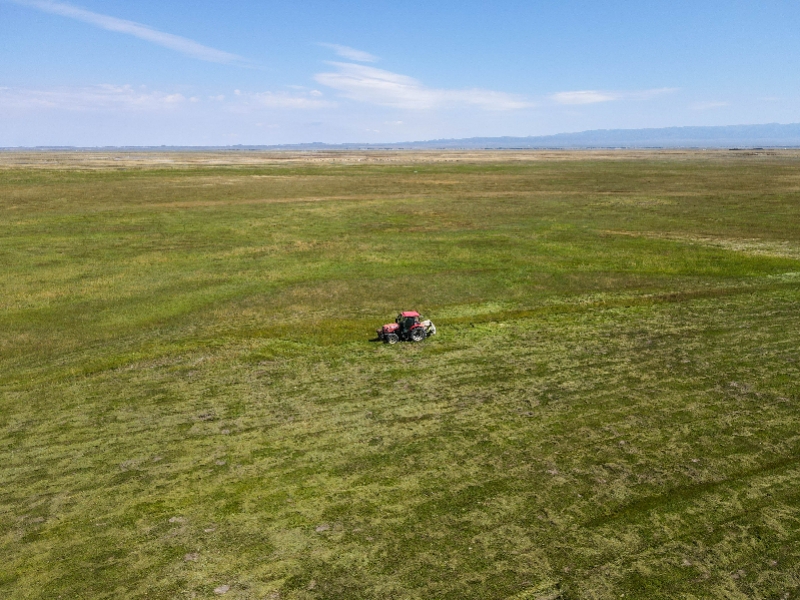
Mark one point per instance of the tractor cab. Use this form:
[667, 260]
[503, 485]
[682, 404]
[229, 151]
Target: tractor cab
[407, 320]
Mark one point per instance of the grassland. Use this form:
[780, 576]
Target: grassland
[190, 403]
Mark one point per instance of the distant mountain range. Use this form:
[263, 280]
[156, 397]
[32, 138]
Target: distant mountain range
[771, 135]
[748, 136]
[729, 136]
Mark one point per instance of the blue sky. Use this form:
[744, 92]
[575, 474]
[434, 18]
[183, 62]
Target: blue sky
[211, 72]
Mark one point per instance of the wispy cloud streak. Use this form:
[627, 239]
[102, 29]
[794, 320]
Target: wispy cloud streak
[247, 101]
[127, 98]
[376, 86]
[351, 53]
[89, 98]
[173, 42]
[708, 105]
[596, 96]
[583, 97]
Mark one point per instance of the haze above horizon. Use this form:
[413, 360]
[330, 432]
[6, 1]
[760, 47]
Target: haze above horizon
[212, 73]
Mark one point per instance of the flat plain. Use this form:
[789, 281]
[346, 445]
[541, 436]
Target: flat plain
[191, 405]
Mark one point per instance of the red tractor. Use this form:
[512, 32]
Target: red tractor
[408, 326]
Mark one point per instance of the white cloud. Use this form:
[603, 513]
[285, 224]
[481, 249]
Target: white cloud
[126, 98]
[647, 94]
[95, 97]
[281, 100]
[582, 97]
[351, 53]
[708, 105]
[595, 96]
[168, 40]
[376, 86]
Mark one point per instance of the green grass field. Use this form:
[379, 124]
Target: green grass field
[190, 403]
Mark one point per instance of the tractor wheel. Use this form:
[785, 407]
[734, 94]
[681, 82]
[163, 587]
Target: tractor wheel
[391, 338]
[417, 334]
